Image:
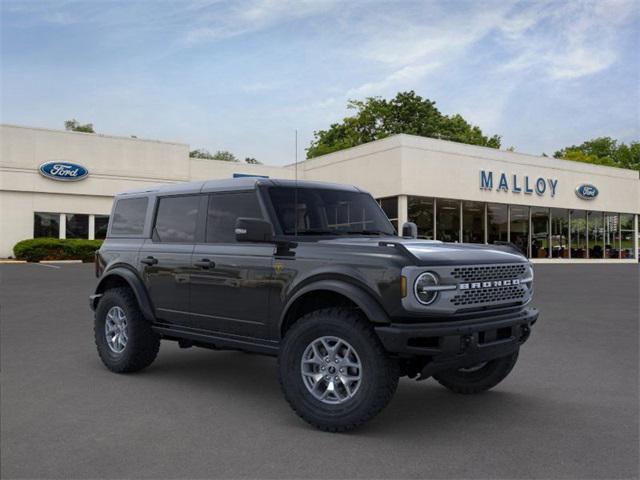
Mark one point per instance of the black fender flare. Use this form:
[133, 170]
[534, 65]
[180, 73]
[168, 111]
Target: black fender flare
[135, 283]
[364, 300]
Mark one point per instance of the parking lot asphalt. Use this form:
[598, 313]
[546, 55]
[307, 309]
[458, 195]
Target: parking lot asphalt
[568, 410]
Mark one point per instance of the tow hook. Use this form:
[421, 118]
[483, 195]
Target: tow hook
[526, 331]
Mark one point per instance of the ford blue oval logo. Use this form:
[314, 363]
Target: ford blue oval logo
[63, 171]
[586, 191]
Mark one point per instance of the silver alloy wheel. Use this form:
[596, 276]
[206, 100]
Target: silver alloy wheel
[331, 370]
[115, 329]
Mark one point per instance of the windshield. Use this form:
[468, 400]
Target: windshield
[319, 211]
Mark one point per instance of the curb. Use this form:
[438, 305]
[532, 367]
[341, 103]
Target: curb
[60, 261]
[8, 261]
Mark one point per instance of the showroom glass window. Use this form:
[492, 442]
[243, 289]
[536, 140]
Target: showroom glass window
[578, 234]
[420, 212]
[559, 233]
[540, 232]
[223, 211]
[77, 226]
[176, 219]
[128, 216]
[46, 225]
[497, 222]
[390, 207]
[447, 220]
[611, 235]
[596, 234]
[101, 222]
[626, 235]
[473, 222]
[520, 228]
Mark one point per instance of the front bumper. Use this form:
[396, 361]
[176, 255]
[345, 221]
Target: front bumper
[459, 344]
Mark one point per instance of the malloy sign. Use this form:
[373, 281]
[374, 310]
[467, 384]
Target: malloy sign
[503, 182]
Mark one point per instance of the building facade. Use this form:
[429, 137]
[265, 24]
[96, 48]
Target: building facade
[61, 184]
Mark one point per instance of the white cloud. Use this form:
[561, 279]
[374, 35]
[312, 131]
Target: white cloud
[245, 17]
[564, 41]
[400, 79]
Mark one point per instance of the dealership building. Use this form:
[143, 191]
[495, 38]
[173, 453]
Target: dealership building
[61, 184]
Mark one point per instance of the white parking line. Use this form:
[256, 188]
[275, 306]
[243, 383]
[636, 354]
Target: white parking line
[47, 265]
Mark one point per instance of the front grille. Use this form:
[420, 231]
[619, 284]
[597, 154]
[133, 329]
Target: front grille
[489, 272]
[511, 293]
[489, 295]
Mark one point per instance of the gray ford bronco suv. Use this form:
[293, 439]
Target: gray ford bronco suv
[312, 273]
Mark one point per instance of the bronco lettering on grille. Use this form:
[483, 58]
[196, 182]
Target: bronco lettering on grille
[491, 284]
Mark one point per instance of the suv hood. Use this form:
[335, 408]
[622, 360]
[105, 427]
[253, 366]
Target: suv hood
[430, 252]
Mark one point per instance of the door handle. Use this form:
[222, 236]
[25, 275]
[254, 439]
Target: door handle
[149, 261]
[205, 263]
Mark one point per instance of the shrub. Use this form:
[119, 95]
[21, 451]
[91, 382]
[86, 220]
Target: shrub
[36, 249]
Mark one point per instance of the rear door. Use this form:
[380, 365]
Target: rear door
[230, 289]
[166, 257]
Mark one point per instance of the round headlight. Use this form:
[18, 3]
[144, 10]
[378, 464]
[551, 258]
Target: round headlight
[423, 288]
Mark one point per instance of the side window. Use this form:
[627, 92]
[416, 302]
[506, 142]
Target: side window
[128, 216]
[176, 219]
[224, 210]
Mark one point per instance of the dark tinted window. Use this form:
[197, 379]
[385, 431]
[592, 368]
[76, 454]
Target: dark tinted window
[100, 226]
[128, 217]
[77, 226]
[176, 219]
[46, 225]
[319, 211]
[390, 207]
[224, 209]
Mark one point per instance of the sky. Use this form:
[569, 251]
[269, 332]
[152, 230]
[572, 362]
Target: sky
[244, 75]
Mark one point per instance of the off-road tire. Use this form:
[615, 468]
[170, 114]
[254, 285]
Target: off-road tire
[143, 343]
[379, 373]
[478, 381]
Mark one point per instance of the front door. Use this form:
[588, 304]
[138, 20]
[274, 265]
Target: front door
[230, 288]
[166, 258]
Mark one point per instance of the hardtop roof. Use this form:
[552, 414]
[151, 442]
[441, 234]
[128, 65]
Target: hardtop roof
[231, 184]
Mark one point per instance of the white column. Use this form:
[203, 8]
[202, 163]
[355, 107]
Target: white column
[569, 233]
[460, 233]
[635, 237]
[63, 225]
[486, 223]
[403, 213]
[435, 220]
[92, 225]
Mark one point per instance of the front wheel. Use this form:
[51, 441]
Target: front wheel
[477, 378]
[333, 370]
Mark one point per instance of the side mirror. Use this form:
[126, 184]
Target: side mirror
[409, 230]
[254, 230]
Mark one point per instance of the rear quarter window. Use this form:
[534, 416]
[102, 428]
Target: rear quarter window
[128, 216]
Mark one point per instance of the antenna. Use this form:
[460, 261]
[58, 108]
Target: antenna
[295, 189]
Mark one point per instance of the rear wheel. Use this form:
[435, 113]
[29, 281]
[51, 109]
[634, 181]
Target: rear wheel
[124, 338]
[477, 378]
[333, 370]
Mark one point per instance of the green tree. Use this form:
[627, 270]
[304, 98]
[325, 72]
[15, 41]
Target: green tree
[74, 126]
[252, 161]
[222, 155]
[201, 153]
[377, 118]
[604, 151]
